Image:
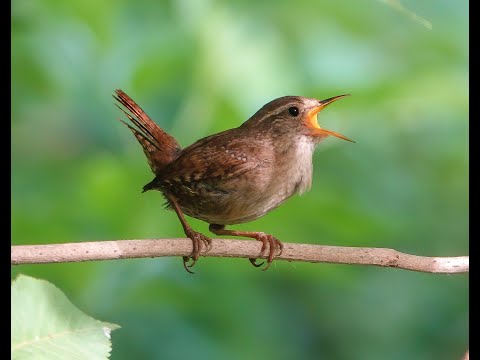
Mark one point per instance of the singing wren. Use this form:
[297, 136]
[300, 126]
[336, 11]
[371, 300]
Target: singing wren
[237, 175]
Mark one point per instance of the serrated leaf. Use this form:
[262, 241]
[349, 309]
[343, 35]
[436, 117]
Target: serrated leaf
[46, 325]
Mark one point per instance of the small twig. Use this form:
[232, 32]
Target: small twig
[123, 249]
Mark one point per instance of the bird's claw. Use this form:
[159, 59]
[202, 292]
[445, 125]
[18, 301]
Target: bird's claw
[274, 245]
[253, 261]
[197, 240]
[187, 267]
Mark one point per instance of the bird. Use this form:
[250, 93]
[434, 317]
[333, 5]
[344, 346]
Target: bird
[237, 175]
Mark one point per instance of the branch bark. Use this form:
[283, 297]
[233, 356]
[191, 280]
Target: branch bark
[124, 249]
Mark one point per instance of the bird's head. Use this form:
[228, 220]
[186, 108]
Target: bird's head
[294, 115]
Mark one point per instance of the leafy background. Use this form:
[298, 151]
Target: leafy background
[198, 67]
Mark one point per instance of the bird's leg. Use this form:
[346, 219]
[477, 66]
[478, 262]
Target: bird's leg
[196, 237]
[272, 241]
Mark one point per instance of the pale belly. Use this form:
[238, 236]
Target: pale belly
[239, 206]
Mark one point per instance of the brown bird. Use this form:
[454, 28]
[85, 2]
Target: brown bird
[237, 175]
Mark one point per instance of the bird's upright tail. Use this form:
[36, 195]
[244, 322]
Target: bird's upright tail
[159, 147]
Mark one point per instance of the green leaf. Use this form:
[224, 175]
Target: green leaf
[46, 325]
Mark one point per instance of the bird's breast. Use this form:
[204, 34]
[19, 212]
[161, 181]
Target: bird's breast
[294, 169]
[291, 174]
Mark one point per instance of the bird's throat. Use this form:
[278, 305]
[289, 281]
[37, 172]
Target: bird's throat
[297, 167]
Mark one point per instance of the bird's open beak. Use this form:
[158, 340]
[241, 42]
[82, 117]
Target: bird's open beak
[313, 123]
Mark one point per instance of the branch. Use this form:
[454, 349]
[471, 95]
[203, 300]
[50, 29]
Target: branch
[124, 249]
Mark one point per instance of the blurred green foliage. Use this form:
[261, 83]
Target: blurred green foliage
[199, 67]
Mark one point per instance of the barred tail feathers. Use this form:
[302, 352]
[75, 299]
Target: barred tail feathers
[159, 147]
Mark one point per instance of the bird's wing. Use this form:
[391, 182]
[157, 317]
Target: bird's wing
[217, 159]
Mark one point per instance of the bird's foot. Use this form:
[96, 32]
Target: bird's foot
[253, 261]
[197, 240]
[274, 245]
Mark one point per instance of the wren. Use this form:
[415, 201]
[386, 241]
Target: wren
[237, 175]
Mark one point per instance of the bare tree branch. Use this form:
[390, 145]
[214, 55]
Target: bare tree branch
[123, 249]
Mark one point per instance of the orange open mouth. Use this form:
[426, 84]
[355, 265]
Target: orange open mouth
[313, 123]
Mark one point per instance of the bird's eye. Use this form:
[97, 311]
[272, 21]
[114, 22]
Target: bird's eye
[293, 111]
